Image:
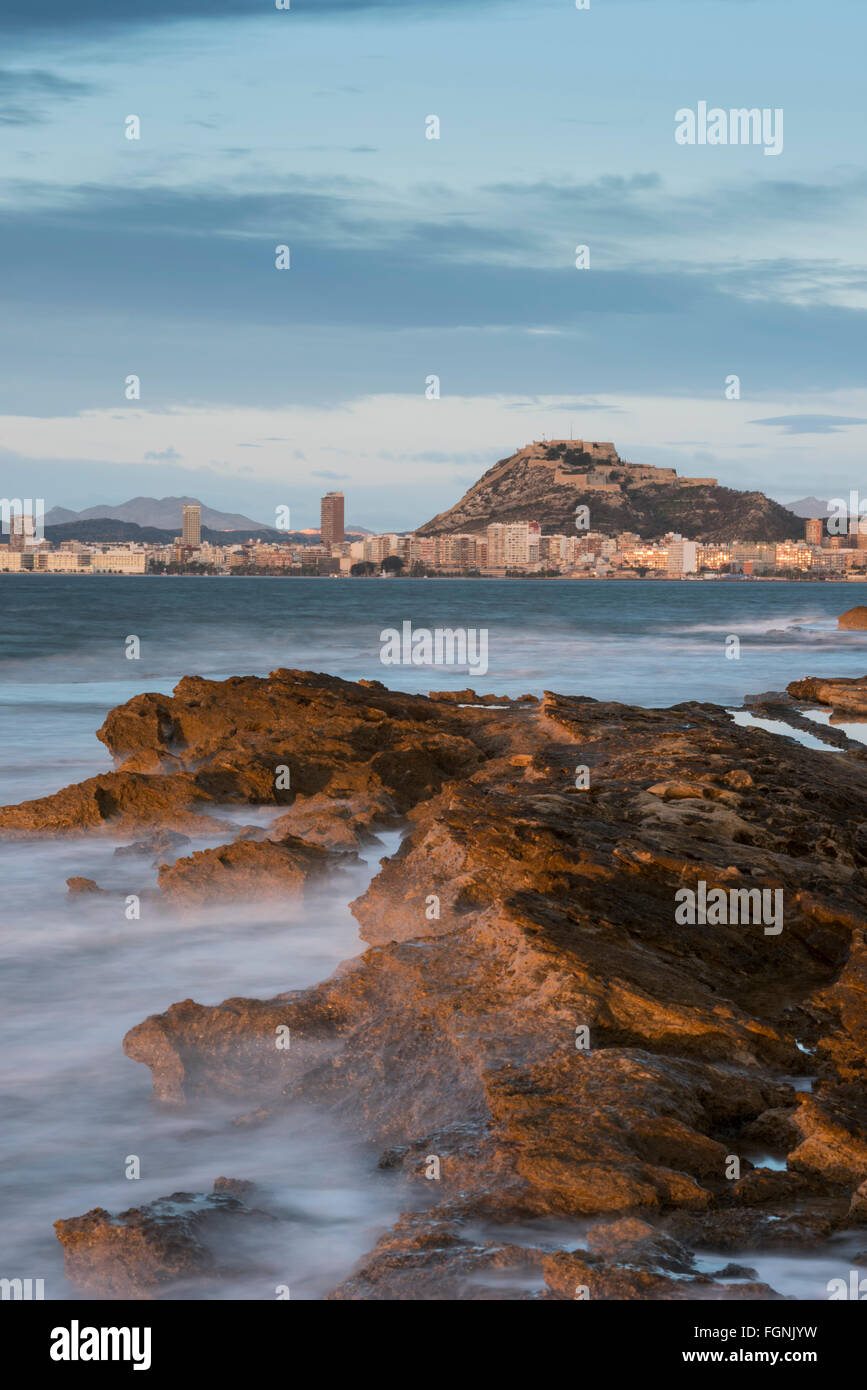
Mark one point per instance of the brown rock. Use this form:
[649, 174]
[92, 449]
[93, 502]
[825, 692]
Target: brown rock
[158, 845]
[114, 803]
[636, 1243]
[82, 885]
[336, 823]
[762, 1185]
[858, 1205]
[853, 619]
[424, 1258]
[333, 735]
[576, 1276]
[833, 1128]
[845, 695]
[149, 1250]
[247, 869]
[531, 1011]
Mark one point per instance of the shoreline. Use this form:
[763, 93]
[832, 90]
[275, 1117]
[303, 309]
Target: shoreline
[476, 578]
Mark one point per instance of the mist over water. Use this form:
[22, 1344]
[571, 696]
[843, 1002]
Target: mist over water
[75, 975]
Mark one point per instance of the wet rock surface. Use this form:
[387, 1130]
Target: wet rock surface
[82, 885]
[847, 696]
[156, 847]
[156, 1249]
[537, 1012]
[115, 803]
[248, 869]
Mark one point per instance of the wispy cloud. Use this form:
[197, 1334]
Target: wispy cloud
[23, 16]
[29, 96]
[812, 424]
[169, 455]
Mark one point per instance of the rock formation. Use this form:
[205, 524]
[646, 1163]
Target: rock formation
[854, 619]
[248, 869]
[157, 1248]
[539, 1030]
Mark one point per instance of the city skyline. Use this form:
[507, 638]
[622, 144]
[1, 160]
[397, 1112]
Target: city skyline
[835, 548]
[239, 523]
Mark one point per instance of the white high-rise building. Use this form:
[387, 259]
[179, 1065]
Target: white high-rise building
[682, 557]
[509, 543]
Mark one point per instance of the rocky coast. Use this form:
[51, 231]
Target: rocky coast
[585, 1091]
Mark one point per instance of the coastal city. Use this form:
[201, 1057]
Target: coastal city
[500, 550]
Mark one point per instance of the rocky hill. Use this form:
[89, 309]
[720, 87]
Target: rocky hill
[546, 481]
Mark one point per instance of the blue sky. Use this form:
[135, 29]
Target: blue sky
[412, 257]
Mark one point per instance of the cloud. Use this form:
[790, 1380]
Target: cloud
[376, 295]
[402, 453]
[326, 473]
[29, 96]
[169, 455]
[811, 424]
[25, 16]
[537, 403]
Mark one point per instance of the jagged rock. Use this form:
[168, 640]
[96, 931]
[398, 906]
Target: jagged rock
[114, 803]
[336, 823]
[333, 736]
[735, 1271]
[533, 1010]
[556, 911]
[580, 1276]
[833, 1129]
[159, 844]
[775, 1130]
[424, 1258]
[846, 695]
[147, 1250]
[83, 885]
[794, 1226]
[636, 1243]
[762, 1185]
[469, 697]
[858, 1204]
[247, 869]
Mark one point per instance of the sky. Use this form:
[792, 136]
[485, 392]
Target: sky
[412, 257]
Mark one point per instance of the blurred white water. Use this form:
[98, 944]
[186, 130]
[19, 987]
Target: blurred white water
[75, 975]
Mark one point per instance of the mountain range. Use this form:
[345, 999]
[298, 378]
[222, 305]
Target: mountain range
[157, 519]
[164, 513]
[546, 481]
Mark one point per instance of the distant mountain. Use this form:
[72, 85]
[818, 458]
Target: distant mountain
[107, 528]
[547, 481]
[99, 529]
[162, 512]
[165, 514]
[808, 507]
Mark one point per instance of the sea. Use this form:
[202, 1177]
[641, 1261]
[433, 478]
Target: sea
[75, 975]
